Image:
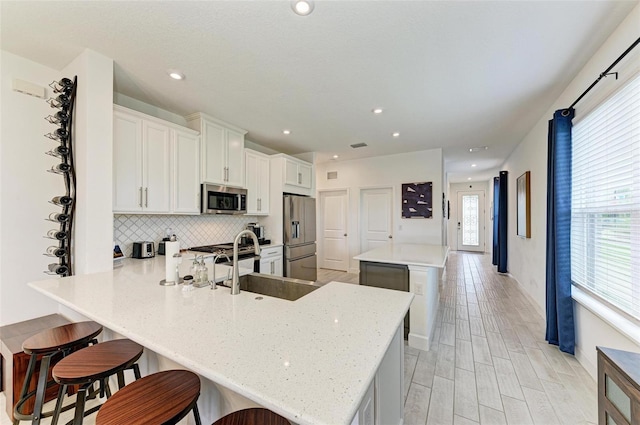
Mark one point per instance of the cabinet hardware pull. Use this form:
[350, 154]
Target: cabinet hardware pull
[140, 197]
[299, 178]
[272, 268]
[146, 196]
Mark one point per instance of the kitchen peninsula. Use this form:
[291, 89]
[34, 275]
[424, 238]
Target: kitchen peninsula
[424, 264]
[315, 360]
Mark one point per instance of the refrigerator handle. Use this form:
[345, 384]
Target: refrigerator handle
[295, 229]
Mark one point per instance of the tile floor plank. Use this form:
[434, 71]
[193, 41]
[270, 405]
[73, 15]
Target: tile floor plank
[507, 380]
[489, 416]
[466, 397]
[516, 411]
[417, 405]
[441, 404]
[487, 385]
[481, 352]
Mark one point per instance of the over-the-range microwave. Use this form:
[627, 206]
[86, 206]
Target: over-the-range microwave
[218, 199]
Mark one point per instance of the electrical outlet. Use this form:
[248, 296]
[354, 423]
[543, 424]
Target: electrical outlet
[419, 287]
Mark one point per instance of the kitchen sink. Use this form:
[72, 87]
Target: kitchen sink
[275, 286]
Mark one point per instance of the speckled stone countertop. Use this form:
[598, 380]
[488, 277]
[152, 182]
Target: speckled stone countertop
[310, 360]
[407, 253]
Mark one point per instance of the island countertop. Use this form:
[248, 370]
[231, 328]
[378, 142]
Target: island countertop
[408, 254]
[310, 360]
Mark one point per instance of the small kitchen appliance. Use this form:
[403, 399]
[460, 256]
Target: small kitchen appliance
[223, 199]
[144, 249]
[257, 229]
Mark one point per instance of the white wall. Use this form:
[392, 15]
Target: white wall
[26, 187]
[454, 188]
[389, 171]
[93, 151]
[527, 256]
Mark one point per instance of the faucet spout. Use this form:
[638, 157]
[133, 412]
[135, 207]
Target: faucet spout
[215, 260]
[235, 283]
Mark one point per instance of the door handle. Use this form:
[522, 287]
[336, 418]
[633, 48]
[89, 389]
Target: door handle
[458, 225]
[345, 235]
[140, 197]
[146, 196]
[390, 237]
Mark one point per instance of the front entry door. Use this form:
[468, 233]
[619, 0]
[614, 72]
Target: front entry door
[375, 218]
[471, 221]
[333, 210]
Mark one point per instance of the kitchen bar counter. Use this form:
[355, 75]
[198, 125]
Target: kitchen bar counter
[311, 360]
[426, 264]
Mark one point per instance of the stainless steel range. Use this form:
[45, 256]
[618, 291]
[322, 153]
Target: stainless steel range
[246, 254]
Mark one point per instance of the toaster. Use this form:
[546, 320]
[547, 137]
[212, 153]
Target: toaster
[143, 250]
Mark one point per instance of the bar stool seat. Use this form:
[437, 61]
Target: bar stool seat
[55, 342]
[161, 398]
[94, 364]
[252, 416]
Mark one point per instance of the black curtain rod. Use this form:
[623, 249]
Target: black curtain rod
[605, 73]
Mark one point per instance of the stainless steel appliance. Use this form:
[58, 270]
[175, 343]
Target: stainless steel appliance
[300, 259]
[143, 250]
[223, 199]
[257, 229]
[246, 254]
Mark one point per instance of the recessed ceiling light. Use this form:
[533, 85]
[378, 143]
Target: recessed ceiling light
[478, 148]
[474, 165]
[335, 156]
[175, 74]
[396, 134]
[468, 178]
[302, 7]
[377, 110]
[286, 131]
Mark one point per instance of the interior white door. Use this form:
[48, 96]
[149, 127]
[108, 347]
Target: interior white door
[334, 251]
[471, 221]
[376, 218]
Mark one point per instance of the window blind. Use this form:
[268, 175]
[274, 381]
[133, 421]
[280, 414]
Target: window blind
[605, 200]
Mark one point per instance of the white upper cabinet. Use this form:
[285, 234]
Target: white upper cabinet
[257, 181]
[297, 173]
[186, 154]
[155, 165]
[222, 151]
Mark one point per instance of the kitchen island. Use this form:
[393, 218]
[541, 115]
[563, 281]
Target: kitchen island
[425, 264]
[315, 360]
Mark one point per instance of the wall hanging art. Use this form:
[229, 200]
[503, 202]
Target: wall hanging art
[417, 200]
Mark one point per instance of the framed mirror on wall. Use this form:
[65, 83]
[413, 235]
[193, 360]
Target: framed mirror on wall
[523, 201]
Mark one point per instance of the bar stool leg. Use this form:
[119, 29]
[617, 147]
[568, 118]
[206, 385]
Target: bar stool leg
[196, 414]
[56, 413]
[25, 385]
[136, 371]
[80, 399]
[41, 389]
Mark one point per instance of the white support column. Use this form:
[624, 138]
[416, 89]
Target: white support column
[424, 283]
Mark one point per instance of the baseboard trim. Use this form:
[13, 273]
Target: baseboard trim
[418, 341]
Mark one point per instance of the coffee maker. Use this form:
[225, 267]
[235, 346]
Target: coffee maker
[257, 229]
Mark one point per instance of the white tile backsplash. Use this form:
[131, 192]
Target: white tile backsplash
[191, 230]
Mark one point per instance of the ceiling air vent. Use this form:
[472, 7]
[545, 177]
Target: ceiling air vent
[332, 175]
[358, 145]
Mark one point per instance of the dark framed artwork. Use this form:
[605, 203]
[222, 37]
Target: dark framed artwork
[417, 200]
[523, 199]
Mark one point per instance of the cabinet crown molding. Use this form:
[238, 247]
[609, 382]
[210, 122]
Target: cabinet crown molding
[118, 108]
[201, 115]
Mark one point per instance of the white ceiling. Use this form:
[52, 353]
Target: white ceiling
[450, 74]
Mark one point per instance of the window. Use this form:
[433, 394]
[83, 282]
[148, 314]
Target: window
[605, 200]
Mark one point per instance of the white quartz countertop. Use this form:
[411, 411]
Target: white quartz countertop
[310, 360]
[407, 253]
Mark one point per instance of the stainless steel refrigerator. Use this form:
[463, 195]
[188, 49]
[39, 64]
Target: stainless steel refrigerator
[300, 260]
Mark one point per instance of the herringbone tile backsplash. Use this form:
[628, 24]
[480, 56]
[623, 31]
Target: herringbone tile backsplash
[191, 230]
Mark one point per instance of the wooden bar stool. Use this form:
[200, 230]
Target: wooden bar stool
[161, 398]
[94, 364]
[55, 342]
[253, 416]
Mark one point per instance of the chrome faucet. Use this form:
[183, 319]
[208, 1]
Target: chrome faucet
[215, 260]
[235, 283]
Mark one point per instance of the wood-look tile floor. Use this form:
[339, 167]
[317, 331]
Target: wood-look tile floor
[490, 363]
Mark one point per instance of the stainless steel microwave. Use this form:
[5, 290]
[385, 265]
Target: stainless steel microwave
[223, 199]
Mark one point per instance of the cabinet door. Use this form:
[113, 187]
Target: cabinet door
[252, 183]
[264, 184]
[265, 266]
[277, 266]
[156, 167]
[213, 153]
[290, 172]
[127, 163]
[304, 175]
[235, 159]
[186, 183]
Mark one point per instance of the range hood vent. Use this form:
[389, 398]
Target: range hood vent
[359, 145]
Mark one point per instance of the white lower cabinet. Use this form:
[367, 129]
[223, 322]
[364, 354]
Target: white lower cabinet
[271, 261]
[156, 165]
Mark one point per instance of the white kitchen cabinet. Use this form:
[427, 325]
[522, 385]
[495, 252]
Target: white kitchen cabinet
[297, 173]
[271, 260]
[155, 165]
[257, 182]
[222, 150]
[186, 173]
